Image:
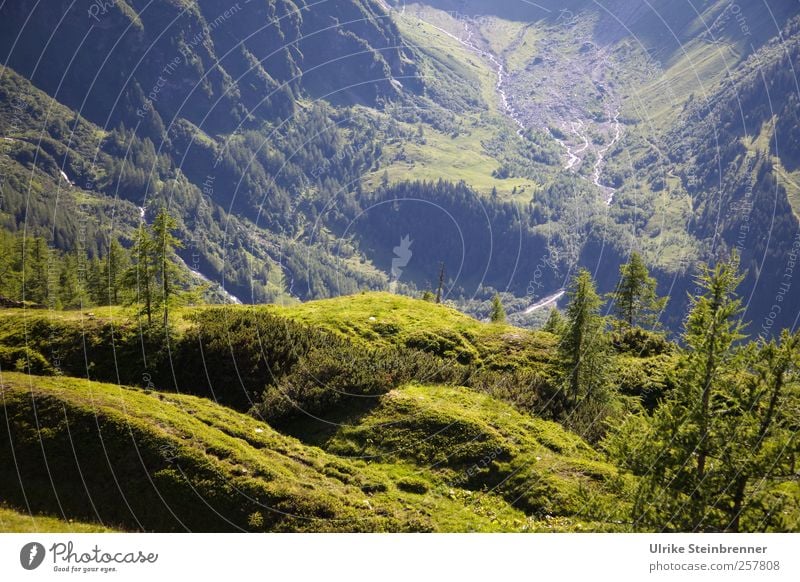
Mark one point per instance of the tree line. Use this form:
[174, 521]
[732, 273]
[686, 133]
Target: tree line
[148, 275]
[718, 451]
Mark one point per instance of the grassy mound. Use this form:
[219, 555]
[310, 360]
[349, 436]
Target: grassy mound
[14, 521]
[477, 442]
[165, 462]
[387, 319]
[389, 455]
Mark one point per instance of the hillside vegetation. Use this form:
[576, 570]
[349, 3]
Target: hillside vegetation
[165, 462]
[378, 412]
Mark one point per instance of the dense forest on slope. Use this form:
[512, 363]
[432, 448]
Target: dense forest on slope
[270, 129]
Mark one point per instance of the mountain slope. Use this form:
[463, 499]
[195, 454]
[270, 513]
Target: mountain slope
[215, 64]
[178, 462]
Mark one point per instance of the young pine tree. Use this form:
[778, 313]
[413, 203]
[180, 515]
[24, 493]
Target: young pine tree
[167, 272]
[498, 314]
[636, 303]
[682, 453]
[583, 354]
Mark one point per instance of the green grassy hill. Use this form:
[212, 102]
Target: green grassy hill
[415, 457]
[372, 412]
[14, 521]
[166, 462]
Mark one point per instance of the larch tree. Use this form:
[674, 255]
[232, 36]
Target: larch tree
[636, 302]
[140, 277]
[683, 451]
[167, 271]
[583, 353]
[498, 313]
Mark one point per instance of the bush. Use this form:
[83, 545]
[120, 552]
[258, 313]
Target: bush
[530, 391]
[232, 354]
[25, 360]
[328, 377]
[411, 485]
[641, 342]
[443, 343]
[647, 379]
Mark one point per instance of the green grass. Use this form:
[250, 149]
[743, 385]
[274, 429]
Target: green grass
[462, 156]
[176, 457]
[386, 319]
[485, 445]
[420, 458]
[14, 521]
[451, 158]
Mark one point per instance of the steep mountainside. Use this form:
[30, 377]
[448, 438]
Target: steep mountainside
[300, 143]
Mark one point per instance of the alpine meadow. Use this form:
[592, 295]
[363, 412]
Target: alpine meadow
[386, 266]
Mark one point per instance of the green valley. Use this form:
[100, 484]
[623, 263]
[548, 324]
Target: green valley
[388, 266]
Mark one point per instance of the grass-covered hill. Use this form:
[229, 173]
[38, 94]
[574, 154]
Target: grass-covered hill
[138, 459]
[401, 456]
[16, 521]
[378, 412]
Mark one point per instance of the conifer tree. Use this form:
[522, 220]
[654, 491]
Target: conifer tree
[95, 284]
[115, 265]
[583, 343]
[167, 272]
[140, 277]
[498, 314]
[635, 300]
[758, 442]
[36, 259]
[9, 273]
[681, 485]
[71, 290]
[555, 322]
